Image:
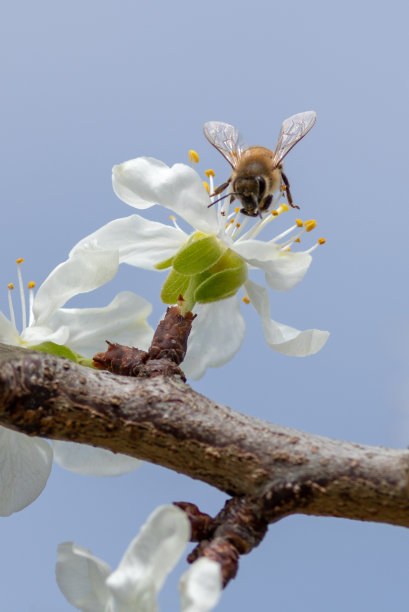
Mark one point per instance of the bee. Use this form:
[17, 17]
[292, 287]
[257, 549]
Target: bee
[257, 171]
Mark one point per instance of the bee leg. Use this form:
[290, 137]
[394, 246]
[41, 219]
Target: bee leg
[287, 190]
[221, 188]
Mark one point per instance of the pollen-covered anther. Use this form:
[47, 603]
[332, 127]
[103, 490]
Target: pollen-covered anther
[245, 299]
[297, 240]
[10, 286]
[282, 208]
[310, 225]
[206, 186]
[209, 173]
[238, 224]
[274, 213]
[321, 240]
[237, 210]
[31, 285]
[193, 157]
[20, 260]
[299, 222]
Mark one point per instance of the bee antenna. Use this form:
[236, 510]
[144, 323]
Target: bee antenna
[231, 193]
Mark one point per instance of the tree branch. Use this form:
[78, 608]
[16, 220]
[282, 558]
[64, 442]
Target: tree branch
[163, 420]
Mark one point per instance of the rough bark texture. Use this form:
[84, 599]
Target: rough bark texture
[279, 471]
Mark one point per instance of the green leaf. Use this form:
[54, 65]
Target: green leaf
[198, 255]
[162, 265]
[55, 349]
[174, 285]
[221, 285]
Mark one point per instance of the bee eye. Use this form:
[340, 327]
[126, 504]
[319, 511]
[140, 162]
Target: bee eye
[261, 185]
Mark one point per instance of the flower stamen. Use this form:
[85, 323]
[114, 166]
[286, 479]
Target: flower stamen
[193, 157]
[30, 288]
[10, 288]
[175, 223]
[22, 297]
[317, 244]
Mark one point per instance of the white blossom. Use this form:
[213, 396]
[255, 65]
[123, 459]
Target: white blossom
[90, 585]
[219, 329]
[25, 461]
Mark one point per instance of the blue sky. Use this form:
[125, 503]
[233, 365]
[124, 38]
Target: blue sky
[86, 85]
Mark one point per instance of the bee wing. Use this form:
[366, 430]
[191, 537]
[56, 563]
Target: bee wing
[293, 129]
[226, 139]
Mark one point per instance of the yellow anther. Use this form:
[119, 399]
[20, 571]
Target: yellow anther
[10, 286]
[321, 240]
[282, 208]
[246, 299]
[231, 221]
[274, 213]
[237, 210]
[238, 224]
[209, 173]
[206, 186]
[172, 217]
[310, 225]
[283, 188]
[299, 223]
[19, 260]
[193, 157]
[297, 240]
[288, 249]
[31, 285]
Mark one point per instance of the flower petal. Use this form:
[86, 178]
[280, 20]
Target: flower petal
[92, 461]
[148, 560]
[25, 465]
[217, 334]
[201, 586]
[123, 321]
[283, 269]
[146, 180]
[84, 271]
[283, 338]
[140, 242]
[37, 334]
[8, 333]
[81, 578]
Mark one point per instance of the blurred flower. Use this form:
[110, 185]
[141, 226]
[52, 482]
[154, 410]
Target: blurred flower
[209, 265]
[25, 461]
[89, 584]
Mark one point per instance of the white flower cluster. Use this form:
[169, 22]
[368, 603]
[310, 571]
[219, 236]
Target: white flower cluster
[90, 585]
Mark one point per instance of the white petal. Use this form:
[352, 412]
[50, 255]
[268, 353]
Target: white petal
[283, 269]
[217, 334]
[140, 242]
[123, 321]
[83, 272]
[36, 334]
[92, 461]
[25, 465]
[283, 338]
[81, 578]
[201, 586]
[149, 559]
[145, 180]
[8, 334]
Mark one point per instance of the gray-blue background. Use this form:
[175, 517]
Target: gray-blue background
[86, 84]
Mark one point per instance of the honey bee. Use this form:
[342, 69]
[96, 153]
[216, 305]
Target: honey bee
[257, 171]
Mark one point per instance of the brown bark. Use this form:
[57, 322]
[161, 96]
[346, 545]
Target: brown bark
[163, 420]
